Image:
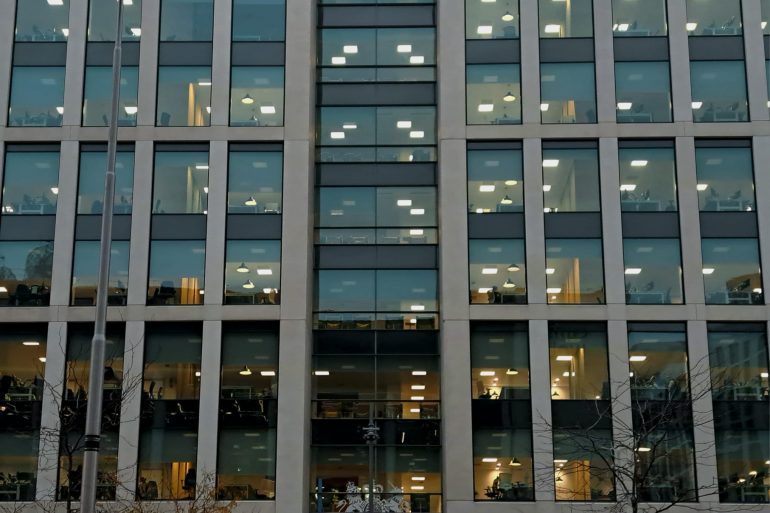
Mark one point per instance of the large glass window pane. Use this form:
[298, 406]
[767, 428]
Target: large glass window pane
[31, 183]
[639, 18]
[405, 47]
[497, 20]
[42, 20]
[256, 96]
[566, 19]
[497, 271]
[181, 182]
[731, 272]
[253, 272]
[738, 361]
[93, 166]
[739, 454]
[97, 96]
[406, 206]
[37, 96]
[579, 364]
[407, 291]
[168, 444]
[85, 269]
[495, 181]
[725, 179]
[500, 363]
[647, 180]
[347, 206]
[718, 91]
[259, 20]
[493, 94]
[406, 126]
[176, 272]
[582, 465]
[340, 48]
[643, 92]
[653, 271]
[571, 180]
[184, 96]
[22, 368]
[255, 182]
[658, 364]
[574, 271]
[102, 18]
[568, 93]
[186, 20]
[502, 463]
[25, 273]
[346, 126]
[345, 291]
[714, 18]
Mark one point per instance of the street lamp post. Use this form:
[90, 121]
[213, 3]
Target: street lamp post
[371, 436]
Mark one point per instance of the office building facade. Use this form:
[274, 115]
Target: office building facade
[493, 228]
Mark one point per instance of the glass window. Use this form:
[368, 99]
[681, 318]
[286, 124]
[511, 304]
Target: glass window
[653, 271]
[377, 125]
[731, 272]
[767, 77]
[497, 271]
[567, 92]
[725, 179]
[255, 182]
[102, 18]
[574, 271]
[253, 272]
[502, 462]
[566, 19]
[31, 183]
[25, 273]
[500, 363]
[643, 92]
[93, 166]
[345, 291]
[571, 180]
[42, 20]
[493, 94]
[97, 96]
[738, 361]
[647, 180]
[168, 444]
[85, 273]
[37, 96]
[495, 181]
[406, 206]
[581, 471]
[390, 206]
[740, 453]
[181, 182]
[256, 96]
[639, 19]
[184, 96]
[22, 368]
[176, 272]
[491, 20]
[407, 291]
[714, 18]
[718, 91]
[658, 364]
[186, 20]
[259, 20]
[578, 356]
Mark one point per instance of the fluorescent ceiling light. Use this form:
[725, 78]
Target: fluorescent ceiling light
[546, 188]
[564, 358]
[637, 358]
[553, 290]
[419, 373]
[625, 105]
[404, 48]
[644, 449]
[204, 82]
[633, 270]
[484, 30]
[702, 186]
[136, 31]
[553, 29]
[638, 163]
[489, 460]
[403, 124]
[417, 308]
[417, 211]
[416, 231]
[489, 270]
[543, 107]
[404, 203]
[486, 188]
[417, 59]
[350, 49]
[321, 373]
[339, 60]
[55, 2]
[551, 163]
[267, 109]
[416, 134]
[349, 126]
[131, 110]
[691, 26]
[201, 167]
[511, 182]
[267, 373]
[628, 187]
[417, 398]
[265, 272]
[486, 107]
[550, 270]
[697, 105]
[708, 270]
[60, 110]
[337, 135]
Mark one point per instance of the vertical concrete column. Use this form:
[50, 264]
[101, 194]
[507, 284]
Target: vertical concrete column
[208, 409]
[66, 204]
[140, 224]
[48, 455]
[605, 61]
[148, 63]
[762, 191]
[130, 410]
[7, 25]
[754, 48]
[530, 61]
[620, 390]
[689, 221]
[542, 420]
[76, 57]
[534, 222]
[216, 221]
[680, 60]
[220, 65]
[611, 221]
[451, 69]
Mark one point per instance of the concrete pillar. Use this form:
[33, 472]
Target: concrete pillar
[76, 56]
[138, 264]
[620, 390]
[66, 205]
[605, 61]
[216, 223]
[542, 420]
[754, 48]
[614, 282]
[220, 65]
[680, 65]
[534, 221]
[762, 191]
[130, 411]
[530, 61]
[689, 220]
[208, 409]
[7, 25]
[148, 64]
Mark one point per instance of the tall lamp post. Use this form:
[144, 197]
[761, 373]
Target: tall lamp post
[96, 372]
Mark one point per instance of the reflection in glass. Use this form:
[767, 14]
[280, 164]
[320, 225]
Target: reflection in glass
[566, 19]
[184, 96]
[742, 457]
[493, 94]
[714, 18]
[381, 207]
[491, 20]
[93, 165]
[639, 19]
[647, 180]
[500, 363]
[37, 96]
[256, 96]
[25, 273]
[731, 272]
[42, 20]
[362, 126]
[571, 180]
[497, 271]
[181, 182]
[186, 20]
[643, 92]
[31, 183]
[85, 269]
[255, 182]
[97, 96]
[653, 271]
[581, 472]
[495, 181]
[567, 93]
[253, 272]
[345, 291]
[407, 291]
[259, 20]
[102, 18]
[578, 356]
[725, 179]
[738, 362]
[574, 271]
[658, 364]
[176, 272]
[718, 91]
